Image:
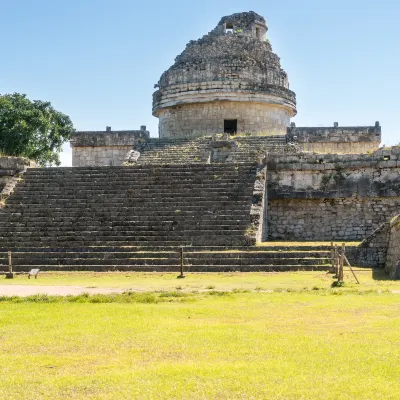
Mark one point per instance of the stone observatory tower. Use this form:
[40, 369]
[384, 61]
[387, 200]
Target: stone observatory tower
[228, 81]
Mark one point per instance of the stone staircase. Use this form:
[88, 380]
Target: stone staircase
[137, 206]
[193, 151]
[164, 259]
[137, 218]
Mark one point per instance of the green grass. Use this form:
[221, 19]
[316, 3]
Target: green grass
[301, 339]
[230, 346]
[304, 243]
[370, 280]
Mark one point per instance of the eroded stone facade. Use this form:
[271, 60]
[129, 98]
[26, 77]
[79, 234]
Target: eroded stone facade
[332, 197]
[104, 148]
[336, 139]
[10, 170]
[197, 119]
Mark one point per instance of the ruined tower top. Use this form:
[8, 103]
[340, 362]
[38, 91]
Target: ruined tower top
[246, 23]
[230, 74]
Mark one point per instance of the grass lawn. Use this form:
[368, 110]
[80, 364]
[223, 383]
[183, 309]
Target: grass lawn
[370, 280]
[278, 340]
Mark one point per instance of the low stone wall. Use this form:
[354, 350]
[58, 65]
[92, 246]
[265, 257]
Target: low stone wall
[107, 148]
[365, 257]
[337, 140]
[332, 197]
[99, 156]
[392, 266]
[340, 147]
[373, 249]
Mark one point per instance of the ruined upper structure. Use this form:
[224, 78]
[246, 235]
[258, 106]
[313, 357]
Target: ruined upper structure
[227, 81]
[104, 148]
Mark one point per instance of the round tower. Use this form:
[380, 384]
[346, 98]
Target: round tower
[227, 81]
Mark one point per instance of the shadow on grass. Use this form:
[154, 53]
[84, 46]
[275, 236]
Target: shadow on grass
[379, 274]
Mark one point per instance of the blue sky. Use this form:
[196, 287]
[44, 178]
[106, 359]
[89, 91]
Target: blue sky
[98, 60]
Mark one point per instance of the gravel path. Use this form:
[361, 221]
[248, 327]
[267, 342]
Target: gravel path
[25, 290]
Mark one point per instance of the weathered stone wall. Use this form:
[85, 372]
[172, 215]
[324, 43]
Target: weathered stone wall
[392, 266]
[365, 257]
[373, 249]
[99, 156]
[104, 148]
[351, 218]
[337, 140]
[334, 197]
[339, 148]
[193, 120]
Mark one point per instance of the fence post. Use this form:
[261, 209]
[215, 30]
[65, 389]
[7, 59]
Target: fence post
[336, 261]
[181, 276]
[341, 275]
[9, 262]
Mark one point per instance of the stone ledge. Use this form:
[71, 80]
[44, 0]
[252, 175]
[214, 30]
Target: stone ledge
[111, 138]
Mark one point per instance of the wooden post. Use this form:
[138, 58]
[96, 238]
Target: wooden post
[181, 276]
[332, 258]
[351, 269]
[9, 262]
[336, 261]
[342, 255]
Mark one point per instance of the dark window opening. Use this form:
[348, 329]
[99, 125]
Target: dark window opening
[229, 28]
[386, 158]
[258, 33]
[230, 126]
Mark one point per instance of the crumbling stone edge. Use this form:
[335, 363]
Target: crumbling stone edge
[12, 169]
[254, 232]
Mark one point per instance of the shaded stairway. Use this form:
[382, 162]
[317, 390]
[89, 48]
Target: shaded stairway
[136, 219]
[142, 205]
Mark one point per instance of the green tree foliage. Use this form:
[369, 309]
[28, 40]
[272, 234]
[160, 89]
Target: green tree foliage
[32, 129]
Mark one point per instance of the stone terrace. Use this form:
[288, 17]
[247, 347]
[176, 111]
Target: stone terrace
[236, 149]
[136, 218]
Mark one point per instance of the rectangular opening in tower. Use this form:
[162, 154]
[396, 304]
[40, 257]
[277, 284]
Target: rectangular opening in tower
[228, 27]
[230, 126]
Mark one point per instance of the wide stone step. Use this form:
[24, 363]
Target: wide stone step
[173, 260]
[172, 268]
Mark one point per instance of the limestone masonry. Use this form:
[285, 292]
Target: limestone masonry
[104, 148]
[228, 170]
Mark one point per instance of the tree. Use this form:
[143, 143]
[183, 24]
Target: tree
[32, 129]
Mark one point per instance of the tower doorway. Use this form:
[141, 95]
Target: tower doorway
[230, 126]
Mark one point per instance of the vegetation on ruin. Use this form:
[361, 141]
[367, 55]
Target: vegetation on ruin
[302, 339]
[32, 129]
